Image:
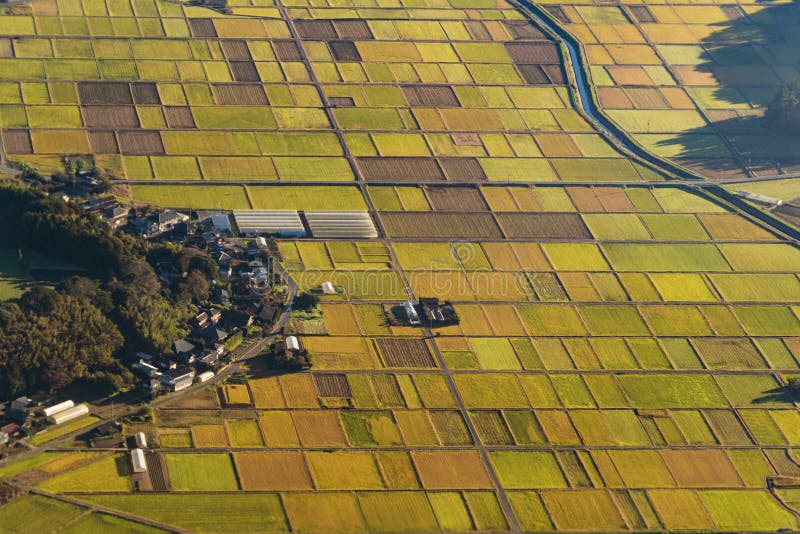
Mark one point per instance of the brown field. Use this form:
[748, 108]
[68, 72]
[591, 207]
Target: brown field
[456, 199]
[103, 142]
[319, 429]
[613, 98]
[316, 29]
[202, 28]
[109, 93]
[240, 94]
[399, 352]
[441, 225]
[17, 141]
[543, 225]
[272, 470]
[110, 116]
[244, 71]
[141, 142]
[613, 199]
[146, 93]
[533, 53]
[435, 96]
[451, 470]
[179, 117]
[387, 169]
[557, 145]
[463, 169]
[332, 385]
[235, 50]
[585, 199]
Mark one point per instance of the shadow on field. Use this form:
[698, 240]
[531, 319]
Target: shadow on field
[750, 58]
[783, 394]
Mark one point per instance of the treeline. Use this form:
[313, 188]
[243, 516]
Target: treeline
[51, 338]
[783, 113]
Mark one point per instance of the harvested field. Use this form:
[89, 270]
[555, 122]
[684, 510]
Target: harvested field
[239, 94]
[441, 225]
[463, 169]
[400, 169]
[405, 352]
[106, 93]
[17, 141]
[179, 117]
[110, 116]
[435, 96]
[455, 199]
[140, 142]
[332, 385]
[543, 225]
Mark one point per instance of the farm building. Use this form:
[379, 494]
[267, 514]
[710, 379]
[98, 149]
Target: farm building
[69, 414]
[328, 289]
[411, 312]
[138, 461]
[60, 407]
[331, 224]
[177, 379]
[205, 376]
[762, 199]
[285, 223]
[141, 440]
[292, 343]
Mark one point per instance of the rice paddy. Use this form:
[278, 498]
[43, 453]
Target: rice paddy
[622, 350]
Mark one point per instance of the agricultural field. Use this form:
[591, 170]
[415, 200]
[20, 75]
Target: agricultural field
[624, 343]
[690, 81]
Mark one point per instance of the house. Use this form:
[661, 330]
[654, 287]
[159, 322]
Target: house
[221, 222]
[261, 242]
[267, 313]
[20, 411]
[168, 219]
[4, 439]
[237, 319]
[222, 298]
[177, 379]
[11, 429]
[202, 320]
[439, 314]
[211, 356]
[212, 333]
[183, 349]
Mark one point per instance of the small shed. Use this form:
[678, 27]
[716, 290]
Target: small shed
[261, 242]
[141, 440]
[205, 376]
[328, 289]
[138, 460]
[292, 343]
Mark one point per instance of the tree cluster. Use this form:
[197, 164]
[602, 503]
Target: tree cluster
[783, 113]
[52, 338]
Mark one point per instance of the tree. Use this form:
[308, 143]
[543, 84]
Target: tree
[783, 113]
[305, 301]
